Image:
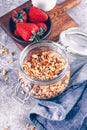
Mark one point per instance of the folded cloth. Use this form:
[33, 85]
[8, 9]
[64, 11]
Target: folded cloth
[67, 111]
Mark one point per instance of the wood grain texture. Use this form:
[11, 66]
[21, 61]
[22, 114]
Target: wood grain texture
[60, 20]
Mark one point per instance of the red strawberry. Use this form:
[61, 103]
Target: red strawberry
[27, 31]
[19, 15]
[37, 15]
[16, 33]
[42, 27]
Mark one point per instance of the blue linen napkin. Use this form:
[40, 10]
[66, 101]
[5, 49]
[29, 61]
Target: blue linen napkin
[69, 110]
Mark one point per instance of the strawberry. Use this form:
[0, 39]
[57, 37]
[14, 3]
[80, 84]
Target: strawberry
[42, 28]
[19, 15]
[16, 33]
[37, 15]
[27, 31]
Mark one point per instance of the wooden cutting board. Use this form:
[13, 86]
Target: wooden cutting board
[60, 20]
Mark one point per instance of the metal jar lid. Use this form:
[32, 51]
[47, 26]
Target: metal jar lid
[74, 40]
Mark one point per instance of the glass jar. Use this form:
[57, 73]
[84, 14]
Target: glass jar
[48, 88]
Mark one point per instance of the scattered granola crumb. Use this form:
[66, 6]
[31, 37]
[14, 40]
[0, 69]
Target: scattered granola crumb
[1, 46]
[6, 128]
[27, 126]
[10, 53]
[4, 72]
[33, 128]
[6, 79]
[4, 50]
[11, 61]
[0, 52]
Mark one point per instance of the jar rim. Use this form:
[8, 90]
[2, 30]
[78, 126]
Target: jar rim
[49, 81]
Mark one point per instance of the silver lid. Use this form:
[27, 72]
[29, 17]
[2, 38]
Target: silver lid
[74, 40]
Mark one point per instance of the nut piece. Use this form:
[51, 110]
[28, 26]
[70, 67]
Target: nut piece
[35, 56]
[50, 54]
[6, 79]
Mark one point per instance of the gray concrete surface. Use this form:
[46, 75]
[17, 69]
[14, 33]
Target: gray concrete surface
[13, 113]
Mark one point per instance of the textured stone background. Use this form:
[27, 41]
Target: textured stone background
[12, 112]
